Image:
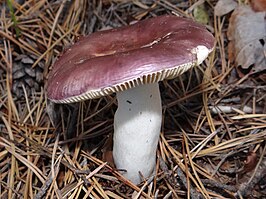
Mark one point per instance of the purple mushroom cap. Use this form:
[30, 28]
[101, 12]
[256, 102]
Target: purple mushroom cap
[118, 59]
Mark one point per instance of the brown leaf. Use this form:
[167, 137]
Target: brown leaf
[250, 162]
[107, 152]
[247, 36]
[258, 5]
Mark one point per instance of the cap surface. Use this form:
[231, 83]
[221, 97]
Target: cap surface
[118, 59]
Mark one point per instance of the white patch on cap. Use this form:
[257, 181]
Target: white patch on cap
[202, 53]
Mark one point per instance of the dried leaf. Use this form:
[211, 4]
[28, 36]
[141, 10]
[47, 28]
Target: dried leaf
[258, 5]
[223, 7]
[247, 35]
[53, 112]
[250, 162]
[107, 152]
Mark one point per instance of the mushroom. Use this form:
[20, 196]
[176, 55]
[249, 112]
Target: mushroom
[130, 61]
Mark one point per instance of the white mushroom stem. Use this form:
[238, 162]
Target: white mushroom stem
[137, 125]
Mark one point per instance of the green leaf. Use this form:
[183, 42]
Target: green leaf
[13, 17]
[201, 15]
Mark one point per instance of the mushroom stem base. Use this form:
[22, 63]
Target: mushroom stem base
[137, 125]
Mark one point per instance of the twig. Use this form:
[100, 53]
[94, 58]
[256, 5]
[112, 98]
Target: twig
[214, 184]
[193, 192]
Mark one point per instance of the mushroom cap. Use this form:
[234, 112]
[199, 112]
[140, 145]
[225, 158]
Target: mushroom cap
[118, 59]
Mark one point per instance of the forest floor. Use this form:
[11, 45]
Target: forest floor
[212, 143]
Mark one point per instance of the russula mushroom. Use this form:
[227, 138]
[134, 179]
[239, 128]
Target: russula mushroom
[130, 61]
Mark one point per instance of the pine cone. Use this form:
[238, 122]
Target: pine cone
[24, 75]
